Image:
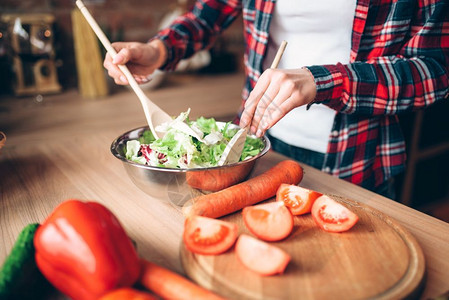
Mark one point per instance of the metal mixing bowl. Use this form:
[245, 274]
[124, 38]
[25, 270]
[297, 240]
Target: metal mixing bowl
[179, 185]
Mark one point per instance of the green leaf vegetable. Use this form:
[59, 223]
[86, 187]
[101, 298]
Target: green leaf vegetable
[200, 144]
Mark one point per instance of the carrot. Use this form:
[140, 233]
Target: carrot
[217, 179]
[170, 285]
[128, 294]
[249, 192]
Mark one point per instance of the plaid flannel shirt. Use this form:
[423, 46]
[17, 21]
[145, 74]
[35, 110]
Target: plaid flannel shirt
[399, 62]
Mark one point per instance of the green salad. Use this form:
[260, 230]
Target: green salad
[188, 144]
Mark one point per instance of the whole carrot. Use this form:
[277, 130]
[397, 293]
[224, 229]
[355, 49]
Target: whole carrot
[170, 285]
[128, 294]
[249, 192]
[218, 179]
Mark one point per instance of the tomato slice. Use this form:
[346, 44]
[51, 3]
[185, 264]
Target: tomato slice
[208, 236]
[261, 257]
[332, 216]
[269, 221]
[298, 199]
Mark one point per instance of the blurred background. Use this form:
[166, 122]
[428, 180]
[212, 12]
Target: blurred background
[46, 48]
[37, 30]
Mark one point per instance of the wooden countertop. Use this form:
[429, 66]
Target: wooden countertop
[58, 149]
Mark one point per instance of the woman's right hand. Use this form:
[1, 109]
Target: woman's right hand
[142, 59]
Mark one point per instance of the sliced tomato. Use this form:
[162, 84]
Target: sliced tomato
[298, 199]
[261, 257]
[209, 236]
[333, 216]
[269, 221]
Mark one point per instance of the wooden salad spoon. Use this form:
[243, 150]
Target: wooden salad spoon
[153, 113]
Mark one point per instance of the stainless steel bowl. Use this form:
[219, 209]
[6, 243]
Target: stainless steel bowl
[179, 185]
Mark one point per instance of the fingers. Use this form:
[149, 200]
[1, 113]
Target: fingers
[273, 112]
[252, 101]
[260, 98]
[127, 54]
[276, 93]
[123, 56]
[259, 122]
[111, 64]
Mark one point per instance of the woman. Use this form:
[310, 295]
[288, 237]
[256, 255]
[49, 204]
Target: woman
[349, 69]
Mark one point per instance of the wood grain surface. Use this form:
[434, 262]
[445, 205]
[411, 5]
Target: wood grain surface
[377, 258]
[59, 148]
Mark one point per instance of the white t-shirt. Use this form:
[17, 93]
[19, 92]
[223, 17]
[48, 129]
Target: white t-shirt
[318, 32]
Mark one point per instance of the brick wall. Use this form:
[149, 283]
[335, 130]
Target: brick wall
[131, 20]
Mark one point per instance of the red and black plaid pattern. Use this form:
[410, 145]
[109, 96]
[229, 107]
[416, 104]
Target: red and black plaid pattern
[399, 62]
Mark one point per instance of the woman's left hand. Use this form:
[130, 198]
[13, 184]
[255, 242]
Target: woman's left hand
[276, 93]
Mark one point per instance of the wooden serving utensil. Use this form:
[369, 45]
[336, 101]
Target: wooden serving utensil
[153, 113]
[233, 151]
[234, 148]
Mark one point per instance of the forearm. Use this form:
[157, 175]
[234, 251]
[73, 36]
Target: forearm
[383, 86]
[196, 30]
[160, 48]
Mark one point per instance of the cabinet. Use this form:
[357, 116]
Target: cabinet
[32, 42]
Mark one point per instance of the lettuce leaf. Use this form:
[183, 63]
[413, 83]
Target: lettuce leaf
[181, 147]
[132, 152]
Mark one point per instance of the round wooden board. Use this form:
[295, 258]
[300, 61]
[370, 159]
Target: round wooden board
[377, 258]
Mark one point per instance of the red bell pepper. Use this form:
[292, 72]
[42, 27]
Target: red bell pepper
[82, 249]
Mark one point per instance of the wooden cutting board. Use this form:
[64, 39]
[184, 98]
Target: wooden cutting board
[377, 258]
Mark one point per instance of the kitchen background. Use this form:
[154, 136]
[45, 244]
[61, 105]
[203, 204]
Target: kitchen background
[120, 20]
[27, 70]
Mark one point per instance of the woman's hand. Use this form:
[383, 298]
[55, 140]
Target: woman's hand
[276, 93]
[142, 59]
